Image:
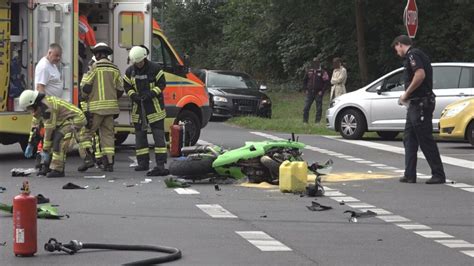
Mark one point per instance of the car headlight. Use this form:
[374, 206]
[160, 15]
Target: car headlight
[454, 110]
[266, 101]
[219, 99]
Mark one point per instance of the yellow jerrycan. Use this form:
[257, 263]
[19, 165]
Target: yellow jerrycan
[293, 176]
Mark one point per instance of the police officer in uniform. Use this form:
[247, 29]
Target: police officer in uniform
[100, 88]
[144, 82]
[61, 120]
[315, 82]
[420, 99]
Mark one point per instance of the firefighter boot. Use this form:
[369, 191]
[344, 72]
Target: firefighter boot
[143, 163]
[108, 166]
[43, 170]
[158, 171]
[55, 173]
[88, 162]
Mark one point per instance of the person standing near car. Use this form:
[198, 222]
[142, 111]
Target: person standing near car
[338, 79]
[315, 82]
[144, 82]
[420, 99]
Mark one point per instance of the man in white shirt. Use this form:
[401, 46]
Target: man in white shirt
[47, 76]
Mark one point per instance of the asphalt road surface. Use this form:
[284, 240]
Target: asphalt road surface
[417, 224]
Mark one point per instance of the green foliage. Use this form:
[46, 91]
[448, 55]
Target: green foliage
[274, 40]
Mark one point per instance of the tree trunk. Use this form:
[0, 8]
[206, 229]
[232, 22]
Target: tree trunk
[359, 8]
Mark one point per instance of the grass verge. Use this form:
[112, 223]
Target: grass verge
[287, 117]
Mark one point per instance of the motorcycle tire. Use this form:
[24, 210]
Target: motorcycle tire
[192, 166]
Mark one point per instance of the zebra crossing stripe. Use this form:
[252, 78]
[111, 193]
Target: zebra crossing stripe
[215, 211]
[378, 211]
[470, 253]
[433, 234]
[186, 191]
[393, 218]
[414, 226]
[345, 199]
[263, 241]
[455, 243]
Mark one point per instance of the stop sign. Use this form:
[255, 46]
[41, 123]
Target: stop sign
[410, 18]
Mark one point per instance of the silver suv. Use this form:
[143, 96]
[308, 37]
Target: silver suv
[375, 106]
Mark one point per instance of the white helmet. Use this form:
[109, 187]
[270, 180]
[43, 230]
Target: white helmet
[137, 54]
[28, 98]
[102, 47]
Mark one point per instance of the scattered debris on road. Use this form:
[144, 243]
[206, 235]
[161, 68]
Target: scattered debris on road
[355, 215]
[217, 188]
[22, 171]
[3, 244]
[95, 176]
[146, 181]
[176, 183]
[2, 189]
[41, 199]
[318, 207]
[72, 186]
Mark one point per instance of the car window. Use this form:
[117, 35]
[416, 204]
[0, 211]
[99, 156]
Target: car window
[394, 83]
[230, 80]
[376, 86]
[467, 78]
[446, 77]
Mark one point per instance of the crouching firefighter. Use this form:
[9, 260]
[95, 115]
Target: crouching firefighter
[61, 121]
[144, 82]
[101, 87]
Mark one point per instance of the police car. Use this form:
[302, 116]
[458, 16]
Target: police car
[375, 106]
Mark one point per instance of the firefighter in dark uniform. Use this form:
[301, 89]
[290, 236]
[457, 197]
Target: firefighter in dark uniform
[144, 82]
[420, 99]
[315, 82]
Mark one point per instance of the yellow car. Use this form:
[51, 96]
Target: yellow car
[457, 120]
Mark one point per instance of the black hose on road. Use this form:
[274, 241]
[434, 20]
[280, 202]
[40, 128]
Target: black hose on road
[74, 246]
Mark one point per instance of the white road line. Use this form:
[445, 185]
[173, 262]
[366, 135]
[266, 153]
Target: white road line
[186, 191]
[365, 161]
[455, 243]
[333, 194]
[388, 168]
[378, 165]
[345, 199]
[355, 159]
[268, 136]
[468, 189]
[215, 211]
[328, 188]
[399, 171]
[263, 241]
[433, 234]
[393, 218]
[357, 205]
[415, 226]
[459, 185]
[384, 147]
[470, 253]
[378, 211]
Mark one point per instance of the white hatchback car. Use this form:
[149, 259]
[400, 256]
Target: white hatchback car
[375, 106]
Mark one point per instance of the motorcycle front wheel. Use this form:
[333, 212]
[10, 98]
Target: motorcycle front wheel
[192, 166]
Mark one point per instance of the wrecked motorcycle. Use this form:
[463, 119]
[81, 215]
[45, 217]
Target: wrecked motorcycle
[259, 161]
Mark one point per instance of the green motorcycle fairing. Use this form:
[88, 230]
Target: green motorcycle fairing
[252, 149]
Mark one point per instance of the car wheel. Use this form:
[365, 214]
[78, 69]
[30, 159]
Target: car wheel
[352, 124]
[388, 135]
[192, 125]
[470, 133]
[120, 138]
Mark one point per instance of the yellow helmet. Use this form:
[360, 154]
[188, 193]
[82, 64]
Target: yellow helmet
[137, 54]
[28, 98]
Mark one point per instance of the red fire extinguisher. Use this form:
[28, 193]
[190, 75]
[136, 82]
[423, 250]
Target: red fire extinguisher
[24, 223]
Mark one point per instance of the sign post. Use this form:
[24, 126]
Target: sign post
[410, 18]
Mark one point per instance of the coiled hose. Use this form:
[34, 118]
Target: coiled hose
[74, 246]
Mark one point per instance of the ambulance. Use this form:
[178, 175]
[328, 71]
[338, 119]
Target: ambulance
[28, 27]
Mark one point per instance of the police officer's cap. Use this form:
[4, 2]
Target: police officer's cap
[402, 39]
